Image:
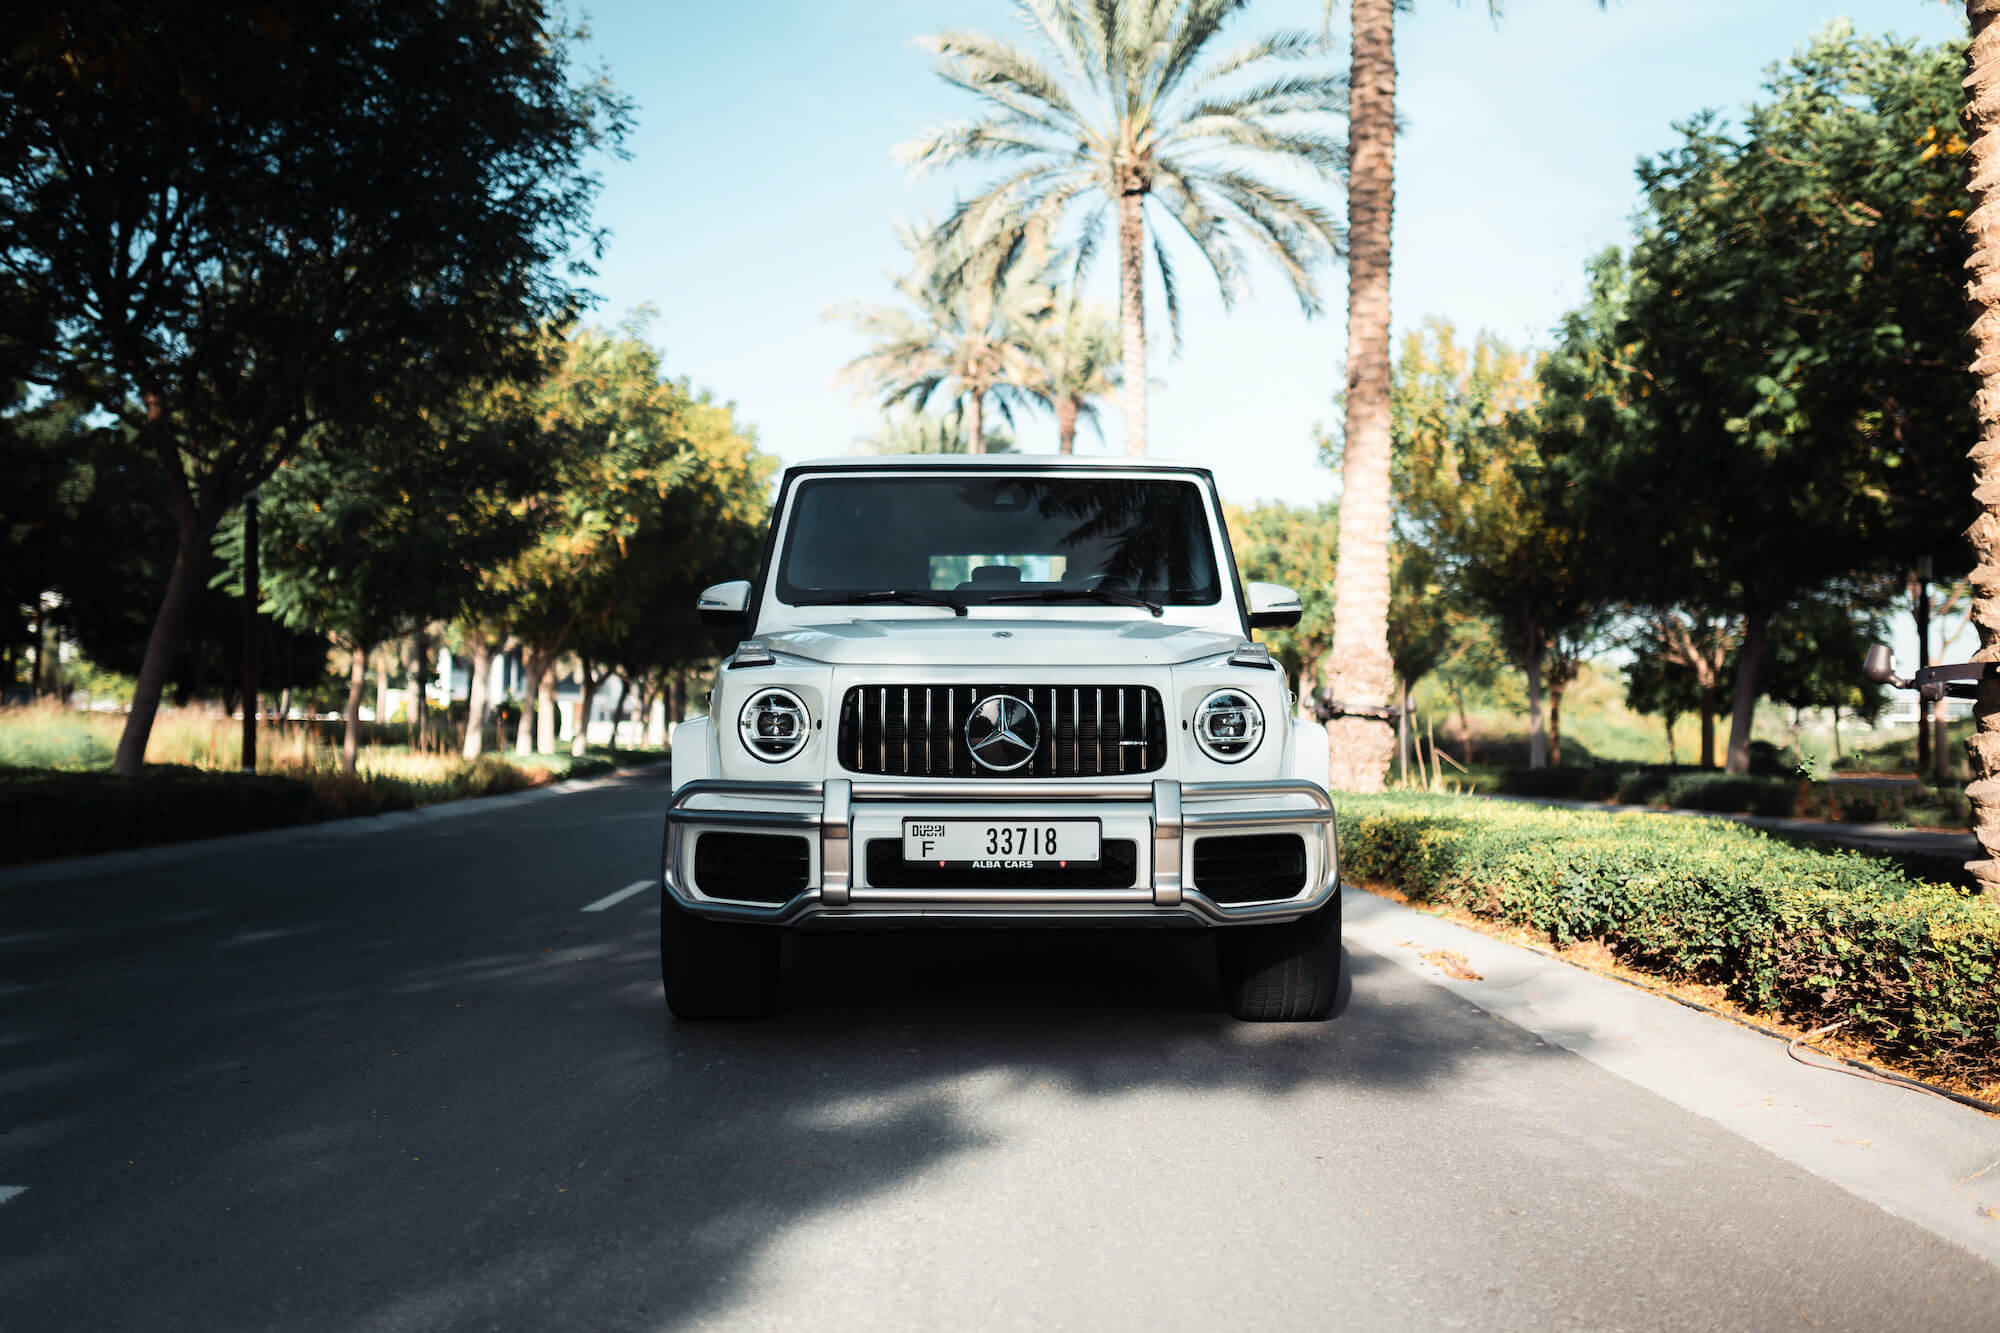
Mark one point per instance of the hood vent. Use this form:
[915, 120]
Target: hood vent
[1081, 731]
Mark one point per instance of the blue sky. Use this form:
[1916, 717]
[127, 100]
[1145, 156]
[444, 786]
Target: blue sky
[761, 189]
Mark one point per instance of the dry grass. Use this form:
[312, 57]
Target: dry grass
[49, 736]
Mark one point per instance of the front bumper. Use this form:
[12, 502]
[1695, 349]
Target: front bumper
[1163, 818]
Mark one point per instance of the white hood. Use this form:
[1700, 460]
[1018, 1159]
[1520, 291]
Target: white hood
[978, 641]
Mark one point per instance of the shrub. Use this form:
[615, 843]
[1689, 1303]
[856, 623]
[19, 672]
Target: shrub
[1731, 794]
[1810, 934]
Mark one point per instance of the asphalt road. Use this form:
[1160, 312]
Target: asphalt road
[405, 1081]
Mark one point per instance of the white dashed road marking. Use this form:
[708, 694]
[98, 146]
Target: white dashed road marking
[8, 1193]
[613, 899]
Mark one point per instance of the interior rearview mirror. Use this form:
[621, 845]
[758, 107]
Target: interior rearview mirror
[725, 605]
[1273, 606]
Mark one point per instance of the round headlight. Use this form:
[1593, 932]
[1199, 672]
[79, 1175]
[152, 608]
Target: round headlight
[775, 725]
[1228, 726]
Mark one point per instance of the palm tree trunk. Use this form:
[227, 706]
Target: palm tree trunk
[1132, 315]
[975, 430]
[1362, 672]
[1066, 424]
[1982, 86]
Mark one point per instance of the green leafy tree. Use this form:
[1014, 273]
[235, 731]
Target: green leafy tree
[1292, 545]
[1769, 411]
[1127, 117]
[371, 534]
[244, 220]
[1470, 490]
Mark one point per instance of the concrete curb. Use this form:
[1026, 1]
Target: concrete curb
[177, 853]
[1924, 1159]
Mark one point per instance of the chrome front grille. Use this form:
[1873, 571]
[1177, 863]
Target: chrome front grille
[1087, 731]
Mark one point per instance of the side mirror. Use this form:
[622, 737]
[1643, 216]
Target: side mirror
[725, 605]
[1273, 606]
[1878, 668]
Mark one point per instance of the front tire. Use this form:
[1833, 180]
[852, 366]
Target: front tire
[717, 969]
[1286, 973]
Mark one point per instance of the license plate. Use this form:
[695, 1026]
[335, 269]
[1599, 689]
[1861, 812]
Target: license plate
[995, 844]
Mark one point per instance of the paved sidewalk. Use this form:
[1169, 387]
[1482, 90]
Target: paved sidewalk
[1872, 837]
[1925, 1159]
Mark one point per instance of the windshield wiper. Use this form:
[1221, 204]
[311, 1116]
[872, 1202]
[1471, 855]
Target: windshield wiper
[909, 595]
[1078, 595]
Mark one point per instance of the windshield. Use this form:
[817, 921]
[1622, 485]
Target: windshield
[989, 538]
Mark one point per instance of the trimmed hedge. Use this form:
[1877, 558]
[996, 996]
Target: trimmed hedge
[1730, 793]
[1813, 935]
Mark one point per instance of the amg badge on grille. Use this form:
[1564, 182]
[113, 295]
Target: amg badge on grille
[1002, 732]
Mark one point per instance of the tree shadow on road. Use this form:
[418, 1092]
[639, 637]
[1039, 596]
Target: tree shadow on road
[417, 1136]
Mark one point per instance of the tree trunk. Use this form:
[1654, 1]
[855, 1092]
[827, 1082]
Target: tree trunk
[533, 668]
[1362, 672]
[1132, 311]
[1982, 118]
[350, 736]
[1836, 731]
[1066, 409]
[420, 670]
[1538, 737]
[250, 595]
[41, 649]
[1920, 611]
[382, 690]
[1709, 699]
[545, 712]
[618, 713]
[475, 696]
[1556, 689]
[190, 555]
[1755, 634]
[579, 741]
[975, 423]
[1403, 735]
[1940, 742]
[1673, 755]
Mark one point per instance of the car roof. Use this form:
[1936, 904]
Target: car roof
[993, 462]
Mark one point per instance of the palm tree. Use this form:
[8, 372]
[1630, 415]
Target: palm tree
[1076, 362]
[1362, 675]
[967, 324]
[909, 430]
[1982, 115]
[1126, 115]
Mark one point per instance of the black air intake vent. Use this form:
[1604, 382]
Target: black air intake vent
[1254, 868]
[763, 868]
[1082, 731]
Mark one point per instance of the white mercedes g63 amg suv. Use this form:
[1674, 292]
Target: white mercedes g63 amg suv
[999, 691]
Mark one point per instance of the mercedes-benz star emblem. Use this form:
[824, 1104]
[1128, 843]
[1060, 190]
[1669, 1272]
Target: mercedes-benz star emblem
[1002, 732]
